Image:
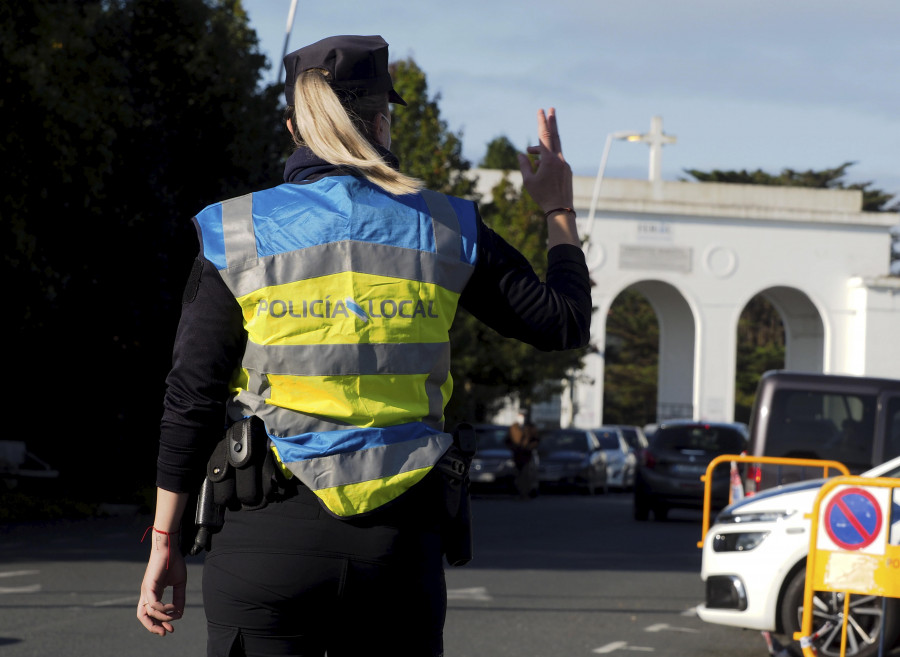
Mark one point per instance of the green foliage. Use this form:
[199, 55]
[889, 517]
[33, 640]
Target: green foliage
[874, 200]
[123, 119]
[632, 355]
[420, 139]
[486, 367]
[501, 154]
[16, 506]
[632, 361]
[760, 347]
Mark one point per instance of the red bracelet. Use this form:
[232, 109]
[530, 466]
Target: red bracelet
[168, 545]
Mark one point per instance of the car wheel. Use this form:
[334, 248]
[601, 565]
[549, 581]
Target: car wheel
[863, 627]
[641, 506]
[660, 512]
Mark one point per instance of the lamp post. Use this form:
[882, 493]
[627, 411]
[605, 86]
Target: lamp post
[287, 38]
[620, 135]
[655, 139]
[623, 135]
[573, 405]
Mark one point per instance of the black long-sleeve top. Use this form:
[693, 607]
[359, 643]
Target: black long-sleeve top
[503, 292]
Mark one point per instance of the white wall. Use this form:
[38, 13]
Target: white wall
[701, 251]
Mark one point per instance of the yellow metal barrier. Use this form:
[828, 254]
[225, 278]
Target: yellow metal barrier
[868, 568]
[744, 458]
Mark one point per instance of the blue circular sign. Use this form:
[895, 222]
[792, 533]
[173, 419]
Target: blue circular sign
[853, 519]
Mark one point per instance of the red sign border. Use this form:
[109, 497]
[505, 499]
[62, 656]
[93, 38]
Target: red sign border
[878, 523]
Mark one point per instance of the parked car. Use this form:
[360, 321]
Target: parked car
[572, 458]
[621, 461]
[492, 466]
[854, 420]
[634, 436]
[754, 566]
[18, 464]
[670, 467]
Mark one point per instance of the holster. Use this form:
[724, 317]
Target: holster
[454, 467]
[242, 467]
[241, 475]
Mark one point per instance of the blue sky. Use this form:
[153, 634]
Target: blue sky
[770, 84]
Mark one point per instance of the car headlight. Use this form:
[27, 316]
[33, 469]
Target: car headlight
[739, 517]
[738, 541]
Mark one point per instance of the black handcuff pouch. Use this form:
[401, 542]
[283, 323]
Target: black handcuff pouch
[242, 467]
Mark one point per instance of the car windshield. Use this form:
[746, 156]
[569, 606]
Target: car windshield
[608, 439]
[708, 438]
[559, 441]
[491, 437]
[631, 437]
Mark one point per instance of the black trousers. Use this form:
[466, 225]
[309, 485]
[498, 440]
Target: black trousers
[290, 579]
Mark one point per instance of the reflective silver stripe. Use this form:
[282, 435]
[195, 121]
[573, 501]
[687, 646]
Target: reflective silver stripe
[237, 228]
[346, 359]
[336, 257]
[436, 378]
[447, 236]
[285, 422]
[258, 384]
[372, 463]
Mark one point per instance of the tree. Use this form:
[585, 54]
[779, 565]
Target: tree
[486, 367]
[631, 361]
[493, 367]
[760, 347]
[874, 200]
[124, 118]
[501, 154]
[421, 139]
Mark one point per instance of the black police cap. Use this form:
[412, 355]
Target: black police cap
[354, 63]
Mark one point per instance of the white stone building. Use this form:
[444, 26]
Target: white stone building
[700, 251]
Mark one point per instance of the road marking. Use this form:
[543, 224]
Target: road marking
[475, 593]
[116, 601]
[18, 573]
[620, 645]
[31, 588]
[659, 627]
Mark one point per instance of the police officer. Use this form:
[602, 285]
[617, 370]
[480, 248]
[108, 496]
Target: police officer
[321, 308]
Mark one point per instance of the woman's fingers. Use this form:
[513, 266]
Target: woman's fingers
[157, 617]
[548, 133]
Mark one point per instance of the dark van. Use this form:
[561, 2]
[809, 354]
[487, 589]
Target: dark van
[854, 420]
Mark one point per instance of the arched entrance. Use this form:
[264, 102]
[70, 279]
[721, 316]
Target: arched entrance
[804, 330]
[677, 338]
[676, 350]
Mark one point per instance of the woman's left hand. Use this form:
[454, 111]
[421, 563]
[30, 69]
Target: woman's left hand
[166, 568]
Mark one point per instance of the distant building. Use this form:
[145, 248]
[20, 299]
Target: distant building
[700, 251]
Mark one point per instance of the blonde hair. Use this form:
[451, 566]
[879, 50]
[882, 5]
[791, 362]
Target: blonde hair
[338, 134]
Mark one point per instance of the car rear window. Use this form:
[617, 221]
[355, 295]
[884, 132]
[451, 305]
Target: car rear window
[491, 437]
[631, 437]
[608, 440]
[708, 438]
[570, 441]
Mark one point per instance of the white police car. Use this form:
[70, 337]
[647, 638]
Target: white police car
[754, 566]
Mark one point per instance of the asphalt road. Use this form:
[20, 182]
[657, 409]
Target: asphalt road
[557, 576]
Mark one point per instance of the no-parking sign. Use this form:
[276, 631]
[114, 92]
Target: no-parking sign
[852, 542]
[853, 519]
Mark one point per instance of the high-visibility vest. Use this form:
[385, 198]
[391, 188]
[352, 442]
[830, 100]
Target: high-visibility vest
[347, 295]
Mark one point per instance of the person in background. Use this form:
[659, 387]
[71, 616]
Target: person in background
[524, 440]
[319, 310]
